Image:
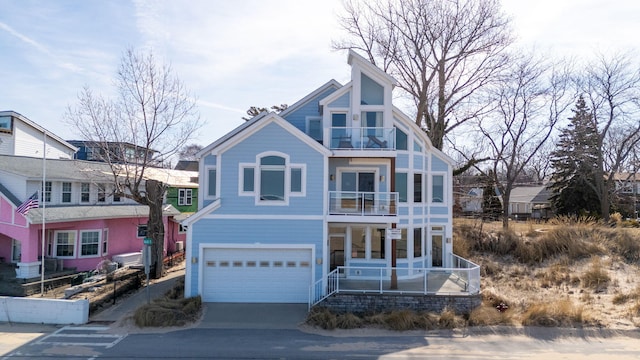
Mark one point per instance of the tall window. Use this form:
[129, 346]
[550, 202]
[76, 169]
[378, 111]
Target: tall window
[401, 245]
[248, 176]
[105, 242]
[296, 180]
[437, 189]
[358, 243]
[116, 195]
[85, 192]
[89, 243]
[401, 140]
[212, 182]
[185, 196]
[102, 193]
[65, 243]
[47, 191]
[377, 243]
[417, 188]
[66, 192]
[417, 242]
[401, 186]
[272, 171]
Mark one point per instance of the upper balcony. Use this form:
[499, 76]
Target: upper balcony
[363, 138]
[360, 203]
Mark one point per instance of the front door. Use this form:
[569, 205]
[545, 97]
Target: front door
[363, 186]
[436, 250]
[336, 251]
[16, 251]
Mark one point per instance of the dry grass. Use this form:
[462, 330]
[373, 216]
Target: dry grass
[539, 269]
[171, 310]
[398, 320]
[556, 313]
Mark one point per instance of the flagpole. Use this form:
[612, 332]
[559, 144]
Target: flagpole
[42, 192]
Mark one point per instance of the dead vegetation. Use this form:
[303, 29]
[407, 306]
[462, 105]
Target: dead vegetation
[171, 310]
[565, 273]
[569, 273]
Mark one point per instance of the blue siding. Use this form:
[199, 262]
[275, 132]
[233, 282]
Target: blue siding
[341, 102]
[271, 138]
[417, 210]
[210, 160]
[243, 231]
[438, 164]
[298, 118]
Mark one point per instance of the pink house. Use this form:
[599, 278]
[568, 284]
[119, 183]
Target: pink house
[84, 221]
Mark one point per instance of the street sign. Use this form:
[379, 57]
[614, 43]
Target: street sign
[148, 241]
[394, 234]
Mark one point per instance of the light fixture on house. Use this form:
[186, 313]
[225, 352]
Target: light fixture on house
[194, 260]
[332, 177]
[356, 117]
[381, 177]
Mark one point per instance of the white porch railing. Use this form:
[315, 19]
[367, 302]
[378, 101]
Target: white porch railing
[362, 138]
[464, 279]
[363, 203]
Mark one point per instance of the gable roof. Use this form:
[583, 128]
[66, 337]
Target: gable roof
[252, 126]
[326, 86]
[76, 213]
[525, 194]
[355, 58]
[32, 124]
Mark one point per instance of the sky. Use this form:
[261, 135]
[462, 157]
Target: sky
[233, 54]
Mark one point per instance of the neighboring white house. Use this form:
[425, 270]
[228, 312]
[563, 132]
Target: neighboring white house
[20, 136]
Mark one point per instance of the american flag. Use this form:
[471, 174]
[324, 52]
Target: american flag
[30, 203]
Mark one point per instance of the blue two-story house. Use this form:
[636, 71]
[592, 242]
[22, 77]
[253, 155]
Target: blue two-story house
[341, 191]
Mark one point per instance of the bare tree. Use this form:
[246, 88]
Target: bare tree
[612, 90]
[154, 113]
[441, 52]
[529, 100]
[188, 152]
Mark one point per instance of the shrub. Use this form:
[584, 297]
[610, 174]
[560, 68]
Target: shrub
[559, 313]
[488, 315]
[449, 319]
[595, 277]
[322, 317]
[401, 320]
[166, 312]
[348, 321]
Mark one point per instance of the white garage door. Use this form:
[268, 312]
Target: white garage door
[256, 275]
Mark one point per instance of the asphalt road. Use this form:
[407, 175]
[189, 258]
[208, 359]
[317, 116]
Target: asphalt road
[197, 343]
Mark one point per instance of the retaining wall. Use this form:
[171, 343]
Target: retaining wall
[374, 303]
[43, 311]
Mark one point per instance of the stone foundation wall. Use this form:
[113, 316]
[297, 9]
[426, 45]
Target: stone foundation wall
[375, 303]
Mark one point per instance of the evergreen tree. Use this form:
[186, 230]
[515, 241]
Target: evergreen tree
[574, 162]
[491, 205]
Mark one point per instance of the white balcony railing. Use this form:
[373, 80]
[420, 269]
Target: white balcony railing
[363, 203]
[462, 279]
[362, 138]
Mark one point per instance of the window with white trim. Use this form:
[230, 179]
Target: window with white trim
[105, 242]
[314, 127]
[89, 243]
[65, 244]
[185, 196]
[66, 192]
[272, 179]
[47, 191]
[437, 189]
[102, 193]
[85, 192]
[211, 182]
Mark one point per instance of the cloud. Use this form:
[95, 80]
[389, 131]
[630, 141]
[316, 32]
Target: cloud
[24, 38]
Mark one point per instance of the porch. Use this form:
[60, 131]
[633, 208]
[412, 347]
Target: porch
[460, 280]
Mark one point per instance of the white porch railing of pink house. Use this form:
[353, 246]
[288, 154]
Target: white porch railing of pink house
[462, 279]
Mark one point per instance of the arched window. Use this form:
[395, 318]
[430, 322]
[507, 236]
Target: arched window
[272, 178]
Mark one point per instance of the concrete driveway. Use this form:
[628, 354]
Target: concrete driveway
[252, 316]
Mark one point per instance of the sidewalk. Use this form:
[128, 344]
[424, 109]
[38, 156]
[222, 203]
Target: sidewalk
[127, 306]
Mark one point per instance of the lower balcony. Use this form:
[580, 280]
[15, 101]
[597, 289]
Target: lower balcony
[363, 203]
[462, 279]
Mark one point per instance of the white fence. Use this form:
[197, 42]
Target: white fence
[43, 311]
